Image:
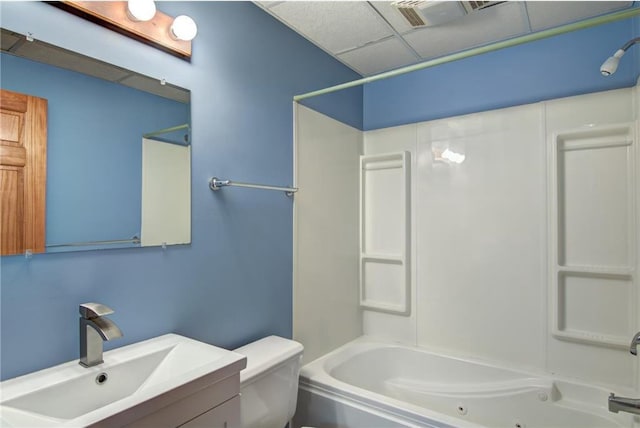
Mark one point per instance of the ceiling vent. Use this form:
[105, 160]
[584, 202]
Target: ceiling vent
[424, 13]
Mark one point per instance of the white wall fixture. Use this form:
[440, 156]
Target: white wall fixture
[593, 241]
[385, 228]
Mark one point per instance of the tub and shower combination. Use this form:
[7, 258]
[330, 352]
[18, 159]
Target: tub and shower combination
[370, 383]
[510, 266]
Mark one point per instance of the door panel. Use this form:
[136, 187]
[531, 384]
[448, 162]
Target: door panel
[23, 172]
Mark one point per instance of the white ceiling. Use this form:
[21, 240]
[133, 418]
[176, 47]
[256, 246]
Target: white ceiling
[372, 37]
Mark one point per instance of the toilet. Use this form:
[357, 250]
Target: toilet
[269, 383]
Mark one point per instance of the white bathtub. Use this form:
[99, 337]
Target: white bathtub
[368, 383]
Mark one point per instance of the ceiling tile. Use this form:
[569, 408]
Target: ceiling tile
[335, 26]
[546, 14]
[380, 56]
[478, 28]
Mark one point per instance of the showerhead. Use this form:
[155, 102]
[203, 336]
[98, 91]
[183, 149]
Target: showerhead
[611, 64]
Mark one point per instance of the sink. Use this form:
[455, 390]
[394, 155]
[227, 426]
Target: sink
[89, 391]
[166, 368]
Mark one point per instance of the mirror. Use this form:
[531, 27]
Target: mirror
[118, 170]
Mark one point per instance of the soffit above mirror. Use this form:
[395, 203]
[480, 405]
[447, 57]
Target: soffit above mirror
[17, 44]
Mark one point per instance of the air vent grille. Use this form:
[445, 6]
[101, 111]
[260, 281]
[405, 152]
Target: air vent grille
[410, 13]
[421, 13]
[471, 6]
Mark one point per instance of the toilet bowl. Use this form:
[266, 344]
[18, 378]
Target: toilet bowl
[269, 384]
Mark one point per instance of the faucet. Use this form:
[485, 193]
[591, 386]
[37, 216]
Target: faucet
[634, 344]
[94, 329]
[630, 405]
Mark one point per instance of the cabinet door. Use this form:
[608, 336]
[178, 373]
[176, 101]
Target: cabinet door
[226, 415]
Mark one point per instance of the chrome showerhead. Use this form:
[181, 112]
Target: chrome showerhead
[611, 64]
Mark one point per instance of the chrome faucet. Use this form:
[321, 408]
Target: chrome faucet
[630, 405]
[634, 344]
[94, 329]
[624, 404]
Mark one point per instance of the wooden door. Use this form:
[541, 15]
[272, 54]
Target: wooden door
[23, 172]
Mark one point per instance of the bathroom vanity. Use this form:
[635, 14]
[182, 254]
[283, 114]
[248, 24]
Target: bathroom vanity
[167, 381]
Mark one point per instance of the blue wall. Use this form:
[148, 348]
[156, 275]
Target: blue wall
[233, 283]
[551, 68]
[95, 130]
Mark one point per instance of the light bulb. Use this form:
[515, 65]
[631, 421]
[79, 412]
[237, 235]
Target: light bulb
[184, 28]
[141, 10]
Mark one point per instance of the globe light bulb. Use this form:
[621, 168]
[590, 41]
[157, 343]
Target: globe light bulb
[141, 10]
[184, 28]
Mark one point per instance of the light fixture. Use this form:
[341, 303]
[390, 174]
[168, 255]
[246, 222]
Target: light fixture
[183, 28]
[141, 10]
[611, 64]
[139, 20]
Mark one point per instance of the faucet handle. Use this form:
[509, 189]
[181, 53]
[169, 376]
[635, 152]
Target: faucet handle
[634, 344]
[94, 310]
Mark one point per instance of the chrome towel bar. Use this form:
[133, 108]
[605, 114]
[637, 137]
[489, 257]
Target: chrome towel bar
[134, 240]
[216, 184]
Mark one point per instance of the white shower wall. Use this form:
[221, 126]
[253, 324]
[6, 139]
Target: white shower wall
[485, 277]
[325, 278]
[481, 240]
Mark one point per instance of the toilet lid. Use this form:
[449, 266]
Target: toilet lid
[266, 353]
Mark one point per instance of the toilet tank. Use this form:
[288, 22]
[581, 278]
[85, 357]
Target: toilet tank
[269, 384]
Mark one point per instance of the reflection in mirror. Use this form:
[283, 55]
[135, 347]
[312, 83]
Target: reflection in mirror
[118, 148]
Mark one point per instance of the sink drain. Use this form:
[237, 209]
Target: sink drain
[101, 378]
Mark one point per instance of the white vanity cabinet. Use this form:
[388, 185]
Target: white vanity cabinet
[226, 415]
[215, 406]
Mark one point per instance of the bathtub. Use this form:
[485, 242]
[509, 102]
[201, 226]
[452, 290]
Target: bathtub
[370, 383]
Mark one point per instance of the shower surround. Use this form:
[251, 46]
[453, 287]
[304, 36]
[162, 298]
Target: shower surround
[523, 246]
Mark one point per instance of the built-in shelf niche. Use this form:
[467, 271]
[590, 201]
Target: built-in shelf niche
[593, 235]
[385, 232]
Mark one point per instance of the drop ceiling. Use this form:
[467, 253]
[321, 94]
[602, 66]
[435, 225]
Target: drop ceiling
[372, 37]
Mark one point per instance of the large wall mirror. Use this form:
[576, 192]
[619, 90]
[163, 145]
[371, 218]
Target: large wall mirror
[118, 168]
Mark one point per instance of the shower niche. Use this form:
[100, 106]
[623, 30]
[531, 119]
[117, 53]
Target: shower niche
[593, 234]
[385, 220]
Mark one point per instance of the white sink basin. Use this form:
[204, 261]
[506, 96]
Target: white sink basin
[72, 395]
